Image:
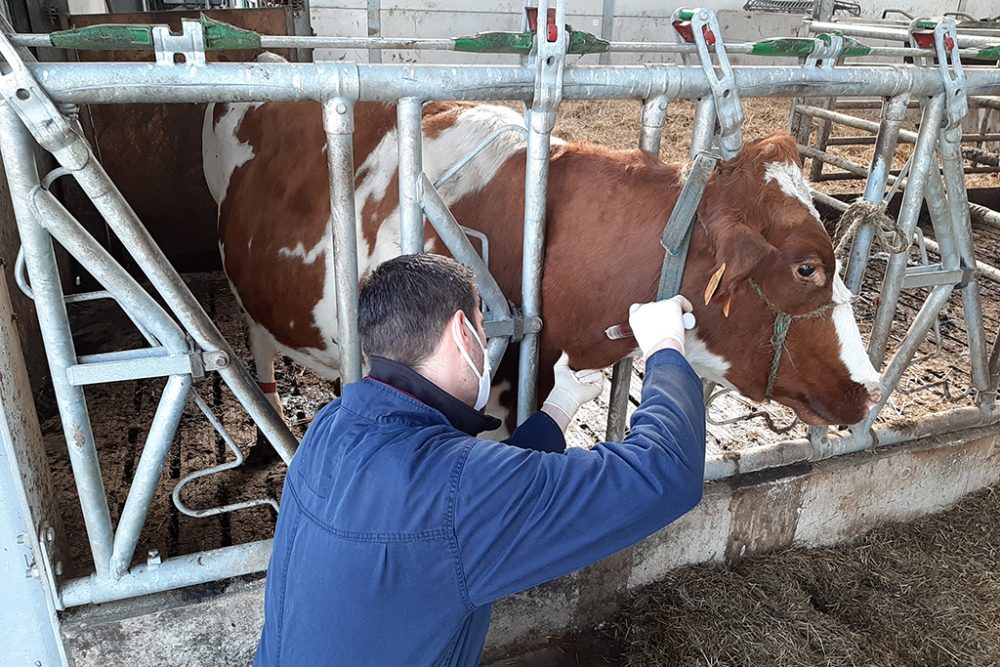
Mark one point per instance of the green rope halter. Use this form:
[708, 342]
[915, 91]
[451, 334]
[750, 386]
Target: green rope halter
[782, 323]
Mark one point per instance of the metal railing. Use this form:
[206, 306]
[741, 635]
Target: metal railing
[184, 344]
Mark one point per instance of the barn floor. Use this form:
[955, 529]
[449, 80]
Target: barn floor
[121, 412]
[925, 593]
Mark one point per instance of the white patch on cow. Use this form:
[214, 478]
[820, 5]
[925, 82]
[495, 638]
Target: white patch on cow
[705, 363]
[852, 349]
[307, 256]
[792, 182]
[222, 153]
[495, 409]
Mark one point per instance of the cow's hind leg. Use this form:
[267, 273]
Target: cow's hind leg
[264, 355]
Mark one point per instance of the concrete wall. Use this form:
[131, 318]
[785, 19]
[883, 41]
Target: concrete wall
[810, 505]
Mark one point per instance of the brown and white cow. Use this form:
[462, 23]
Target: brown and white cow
[266, 166]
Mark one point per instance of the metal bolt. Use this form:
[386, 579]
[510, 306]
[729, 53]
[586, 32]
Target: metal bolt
[59, 568]
[32, 572]
[341, 108]
[50, 534]
[153, 561]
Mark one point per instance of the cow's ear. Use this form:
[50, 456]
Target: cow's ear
[739, 250]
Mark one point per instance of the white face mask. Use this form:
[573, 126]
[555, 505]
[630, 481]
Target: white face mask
[484, 377]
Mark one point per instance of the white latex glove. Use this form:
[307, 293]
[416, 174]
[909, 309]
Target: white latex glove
[573, 388]
[659, 325]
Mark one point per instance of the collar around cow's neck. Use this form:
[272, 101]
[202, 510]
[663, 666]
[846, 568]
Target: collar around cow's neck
[460, 414]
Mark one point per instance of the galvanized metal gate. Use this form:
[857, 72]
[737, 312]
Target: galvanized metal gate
[184, 345]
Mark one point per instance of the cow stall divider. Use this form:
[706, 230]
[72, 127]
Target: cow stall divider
[184, 345]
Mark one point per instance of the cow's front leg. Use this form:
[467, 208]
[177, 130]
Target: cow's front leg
[264, 355]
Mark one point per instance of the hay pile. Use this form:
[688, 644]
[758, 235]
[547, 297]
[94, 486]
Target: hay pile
[926, 593]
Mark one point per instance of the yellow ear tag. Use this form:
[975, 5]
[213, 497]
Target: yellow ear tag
[713, 283]
[725, 306]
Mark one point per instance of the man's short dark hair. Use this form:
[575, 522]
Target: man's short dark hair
[405, 302]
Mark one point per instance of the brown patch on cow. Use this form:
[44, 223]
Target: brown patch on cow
[277, 204]
[218, 111]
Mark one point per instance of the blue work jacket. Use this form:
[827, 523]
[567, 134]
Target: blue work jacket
[399, 528]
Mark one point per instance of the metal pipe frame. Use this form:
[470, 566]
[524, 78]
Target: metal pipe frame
[149, 470]
[950, 149]
[338, 123]
[39, 257]
[73, 153]
[339, 86]
[375, 46]
[893, 114]
[410, 138]
[923, 161]
[458, 244]
[95, 83]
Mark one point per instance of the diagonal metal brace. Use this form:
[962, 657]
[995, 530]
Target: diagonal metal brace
[676, 238]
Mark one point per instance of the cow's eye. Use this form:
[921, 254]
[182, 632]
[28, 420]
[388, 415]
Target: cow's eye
[806, 270]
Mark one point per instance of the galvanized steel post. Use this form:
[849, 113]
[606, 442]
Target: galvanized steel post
[893, 113]
[410, 141]
[923, 162]
[338, 122]
[22, 176]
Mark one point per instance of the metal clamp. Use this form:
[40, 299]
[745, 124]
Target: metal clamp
[827, 49]
[551, 44]
[189, 44]
[946, 45]
[705, 33]
[36, 110]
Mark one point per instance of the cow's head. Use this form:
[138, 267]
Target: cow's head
[760, 223]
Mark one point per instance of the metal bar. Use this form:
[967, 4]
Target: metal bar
[651, 120]
[236, 462]
[893, 114]
[931, 275]
[985, 270]
[607, 27]
[132, 369]
[726, 465]
[822, 136]
[149, 470]
[703, 133]
[853, 168]
[471, 155]
[96, 83]
[893, 34]
[535, 188]
[172, 573]
[923, 161]
[97, 261]
[22, 176]
[338, 123]
[375, 29]
[74, 154]
[410, 140]
[461, 248]
[950, 149]
[922, 323]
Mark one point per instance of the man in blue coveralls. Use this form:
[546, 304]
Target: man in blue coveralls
[399, 528]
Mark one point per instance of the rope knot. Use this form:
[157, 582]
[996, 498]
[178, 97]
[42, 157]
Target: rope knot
[890, 235]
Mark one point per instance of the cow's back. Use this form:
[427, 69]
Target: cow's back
[266, 166]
